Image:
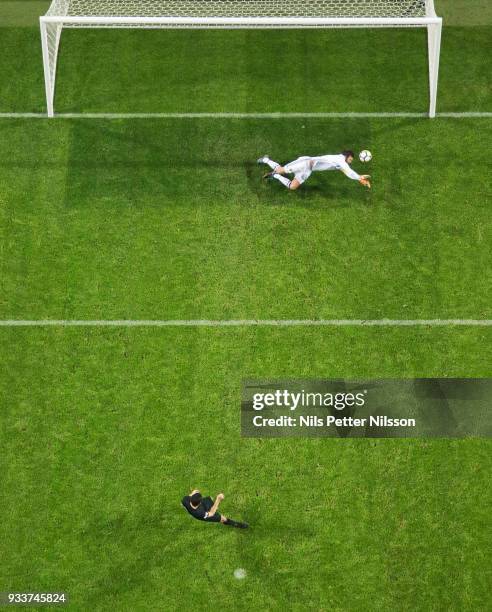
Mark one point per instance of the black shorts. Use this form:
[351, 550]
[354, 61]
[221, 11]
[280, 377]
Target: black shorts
[214, 518]
[207, 503]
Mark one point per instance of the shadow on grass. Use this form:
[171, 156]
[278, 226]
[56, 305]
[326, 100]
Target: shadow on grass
[312, 196]
[127, 548]
[171, 165]
[266, 547]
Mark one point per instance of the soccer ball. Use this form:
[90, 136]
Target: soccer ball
[365, 156]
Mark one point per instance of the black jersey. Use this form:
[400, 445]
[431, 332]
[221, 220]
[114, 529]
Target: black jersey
[201, 512]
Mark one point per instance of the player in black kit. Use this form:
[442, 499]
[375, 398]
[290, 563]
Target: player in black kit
[205, 509]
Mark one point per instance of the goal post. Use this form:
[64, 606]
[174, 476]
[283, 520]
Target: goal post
[238, 14]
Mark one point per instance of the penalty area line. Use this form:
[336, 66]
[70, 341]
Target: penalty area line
[272, 116]
[253, 323]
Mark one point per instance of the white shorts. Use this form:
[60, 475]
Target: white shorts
[300, 168]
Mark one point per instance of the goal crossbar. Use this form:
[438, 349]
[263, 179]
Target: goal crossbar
[169, 21]
[237, 14]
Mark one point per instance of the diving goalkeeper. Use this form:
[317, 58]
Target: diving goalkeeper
[303, 167]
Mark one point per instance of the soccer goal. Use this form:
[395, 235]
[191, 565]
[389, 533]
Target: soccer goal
[237, 14]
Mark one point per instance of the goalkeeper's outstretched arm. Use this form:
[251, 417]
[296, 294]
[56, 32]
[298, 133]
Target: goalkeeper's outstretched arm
[352, 174]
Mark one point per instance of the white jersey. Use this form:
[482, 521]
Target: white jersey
[304, 166]
[333, 162]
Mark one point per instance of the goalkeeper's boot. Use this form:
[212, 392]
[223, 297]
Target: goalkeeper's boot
[268, 175]
[261, 160]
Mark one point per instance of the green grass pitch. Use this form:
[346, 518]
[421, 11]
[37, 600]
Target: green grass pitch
[102, 431]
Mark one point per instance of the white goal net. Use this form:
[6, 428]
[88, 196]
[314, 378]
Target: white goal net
[231, 14]
[240, 8]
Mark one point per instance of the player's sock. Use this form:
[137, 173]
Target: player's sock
[271, 163]
[283, 179]
[238, 524]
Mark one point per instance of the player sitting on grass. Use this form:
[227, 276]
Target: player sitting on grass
[302, 168]
[204, 509]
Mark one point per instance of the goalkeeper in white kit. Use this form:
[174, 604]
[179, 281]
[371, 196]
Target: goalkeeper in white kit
[303, 167]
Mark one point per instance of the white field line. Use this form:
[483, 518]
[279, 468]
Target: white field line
[464, 115]
[253, 323]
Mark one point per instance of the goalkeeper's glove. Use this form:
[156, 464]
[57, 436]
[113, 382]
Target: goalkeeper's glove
[364, 180]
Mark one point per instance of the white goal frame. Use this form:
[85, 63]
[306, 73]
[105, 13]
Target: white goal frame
[59, 17]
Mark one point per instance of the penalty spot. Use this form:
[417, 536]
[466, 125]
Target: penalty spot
[240, 573]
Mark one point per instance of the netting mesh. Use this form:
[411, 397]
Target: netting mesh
[239, 8]
[53, 32]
